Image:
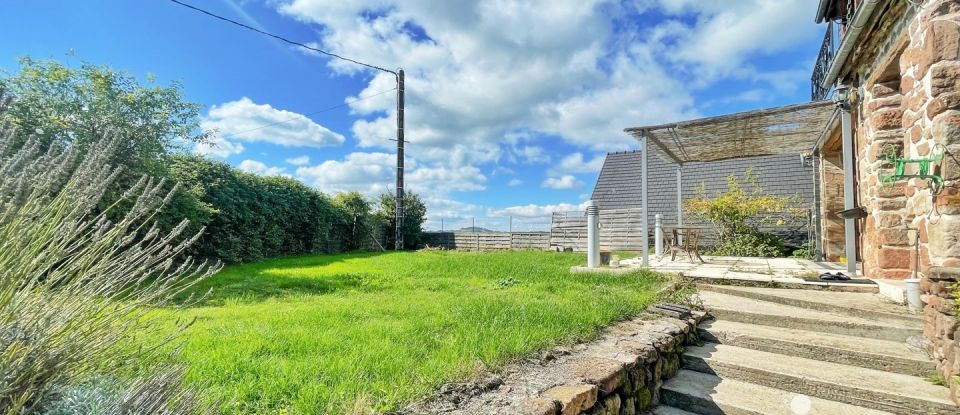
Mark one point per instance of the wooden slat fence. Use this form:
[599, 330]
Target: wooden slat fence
[619, 230]
[488, 241]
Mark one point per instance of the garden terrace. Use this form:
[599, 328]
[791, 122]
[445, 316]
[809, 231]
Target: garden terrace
[786, 130]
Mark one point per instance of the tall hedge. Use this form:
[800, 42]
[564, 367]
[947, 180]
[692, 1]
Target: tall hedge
[250, 217]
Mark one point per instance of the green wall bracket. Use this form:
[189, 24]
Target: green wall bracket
[923, 171]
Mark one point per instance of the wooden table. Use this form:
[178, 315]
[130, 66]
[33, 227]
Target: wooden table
[683, 239]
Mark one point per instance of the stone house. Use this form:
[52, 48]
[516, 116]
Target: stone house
[893, 69]
[883, 133]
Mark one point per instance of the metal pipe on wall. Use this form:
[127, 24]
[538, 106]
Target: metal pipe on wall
[849, 174]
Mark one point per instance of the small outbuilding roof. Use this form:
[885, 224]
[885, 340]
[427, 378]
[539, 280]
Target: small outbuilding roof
[791, 129]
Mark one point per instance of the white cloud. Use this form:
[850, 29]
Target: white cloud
[532, 210]
[256, 167]
[479, 70]
[563, 182]
[532, 154]
[245, 120]
[368, 173]
[574, 163]
[298, 161]
[374, 173]
[514, 182]
[218, 147]
[444, 180]
[485, 79]
[485, 69]
[715, 38]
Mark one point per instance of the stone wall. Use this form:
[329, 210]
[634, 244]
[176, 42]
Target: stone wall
[941, 328]
[930, 86]
[886, 244]
[627, 384]
[619, 374]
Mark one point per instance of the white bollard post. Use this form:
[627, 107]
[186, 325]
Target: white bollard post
[658, 235]
[593, 234]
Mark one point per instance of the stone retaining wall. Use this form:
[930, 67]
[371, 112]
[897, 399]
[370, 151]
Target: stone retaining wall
[941, 325]
[619, 374]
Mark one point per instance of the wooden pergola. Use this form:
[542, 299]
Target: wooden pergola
[791, 129]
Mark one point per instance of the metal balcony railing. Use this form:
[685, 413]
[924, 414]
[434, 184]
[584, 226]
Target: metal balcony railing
[828, 51]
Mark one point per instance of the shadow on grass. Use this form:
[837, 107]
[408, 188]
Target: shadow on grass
[258, 281]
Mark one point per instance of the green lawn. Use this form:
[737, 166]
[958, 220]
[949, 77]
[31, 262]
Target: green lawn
[325, 334]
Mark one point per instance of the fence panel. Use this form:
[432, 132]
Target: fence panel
[620, 230]
[488, 241]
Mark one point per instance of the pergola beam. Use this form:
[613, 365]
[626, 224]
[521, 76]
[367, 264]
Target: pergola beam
[791, 129]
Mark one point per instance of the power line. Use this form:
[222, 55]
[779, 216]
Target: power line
[281, 38]
[313, 113]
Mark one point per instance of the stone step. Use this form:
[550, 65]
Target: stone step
[870, 306]
[706, 394]
[882, 355]
[748, 310]
[869, 388]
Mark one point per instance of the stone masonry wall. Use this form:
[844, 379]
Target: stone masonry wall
[619, 374]
[930, 86]
[885, 241]
[941, 326]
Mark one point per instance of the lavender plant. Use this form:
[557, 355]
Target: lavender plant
[77, 288]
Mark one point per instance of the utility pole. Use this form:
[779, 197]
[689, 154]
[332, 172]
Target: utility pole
[400, 142]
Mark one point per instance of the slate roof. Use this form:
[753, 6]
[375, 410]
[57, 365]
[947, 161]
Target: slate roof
[619, 183]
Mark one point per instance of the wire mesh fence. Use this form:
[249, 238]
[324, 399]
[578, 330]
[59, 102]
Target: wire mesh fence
[489, 224]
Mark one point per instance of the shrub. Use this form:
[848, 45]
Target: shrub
[748, 243]
[357, 223]
[805, 251]
[253, 217]
[736, 213]
[76, 287]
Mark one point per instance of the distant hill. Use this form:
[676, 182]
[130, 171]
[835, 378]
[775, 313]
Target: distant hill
[474, 229]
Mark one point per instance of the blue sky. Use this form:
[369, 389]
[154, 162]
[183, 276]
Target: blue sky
[511, 105]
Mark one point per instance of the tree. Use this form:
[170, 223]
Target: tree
[356, 224]
[58, 105]
[55, 103]
[414, 214]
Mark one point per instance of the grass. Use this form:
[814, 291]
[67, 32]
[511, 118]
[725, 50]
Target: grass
[332, 333]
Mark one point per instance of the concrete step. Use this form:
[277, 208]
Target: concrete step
[865, 305]
[747, 310]
[869, 388]
[881, 355]
[669, 410]
[707, 394]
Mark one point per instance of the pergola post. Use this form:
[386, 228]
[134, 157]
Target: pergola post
[644, 230]
[849, 224]
[679, 197]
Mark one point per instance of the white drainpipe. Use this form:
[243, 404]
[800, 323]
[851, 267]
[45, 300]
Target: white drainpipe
[854, 29]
